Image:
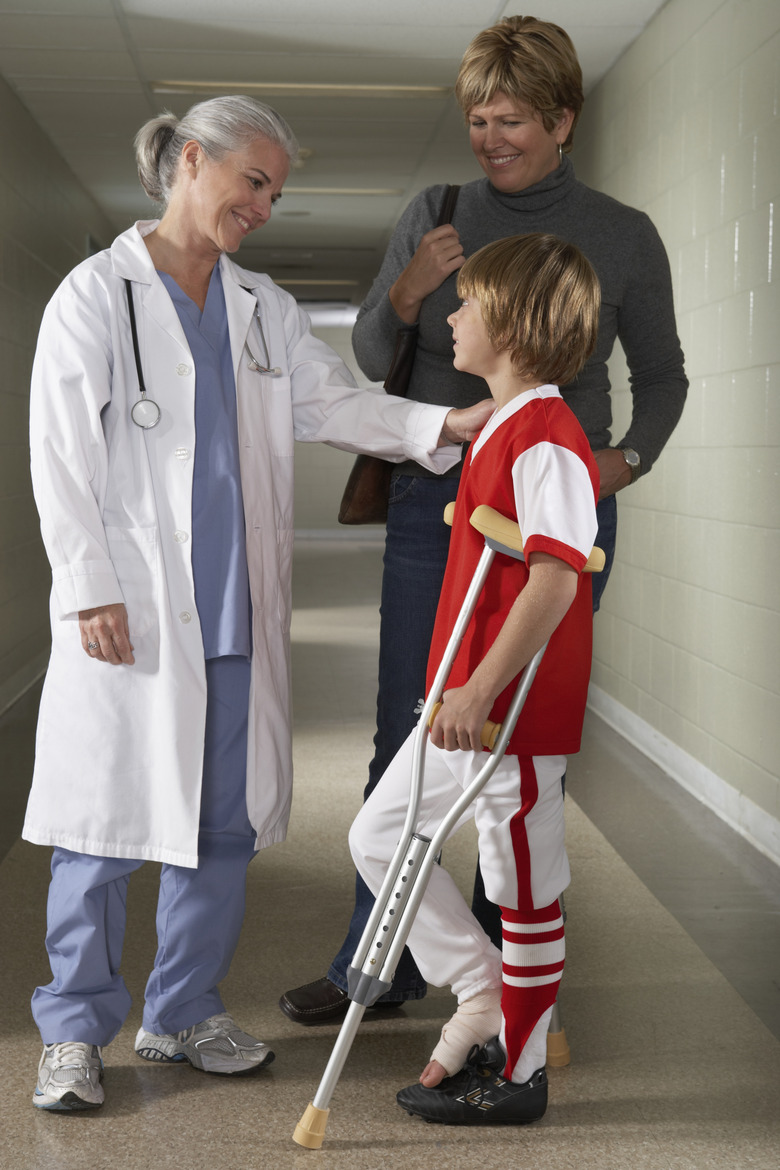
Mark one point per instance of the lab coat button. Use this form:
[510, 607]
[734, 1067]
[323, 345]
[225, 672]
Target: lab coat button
[181, 537]
[183, 369]
[183, 453]
[185, 617]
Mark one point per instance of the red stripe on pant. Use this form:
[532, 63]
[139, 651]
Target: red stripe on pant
[529, 794]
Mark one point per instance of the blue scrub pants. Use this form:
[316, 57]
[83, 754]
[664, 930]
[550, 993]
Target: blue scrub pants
[199, 911]
[416, 547]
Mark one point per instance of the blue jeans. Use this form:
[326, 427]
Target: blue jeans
[416, 548]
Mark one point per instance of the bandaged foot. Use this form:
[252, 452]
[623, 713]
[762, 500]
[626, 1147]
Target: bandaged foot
[476, 1021]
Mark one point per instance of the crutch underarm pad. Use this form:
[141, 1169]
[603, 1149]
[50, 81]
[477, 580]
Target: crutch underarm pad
[491, 524]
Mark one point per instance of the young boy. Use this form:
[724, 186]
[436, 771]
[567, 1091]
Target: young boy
[527, 323]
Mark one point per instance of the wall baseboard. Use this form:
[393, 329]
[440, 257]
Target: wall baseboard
[367, 533]
[756, 825]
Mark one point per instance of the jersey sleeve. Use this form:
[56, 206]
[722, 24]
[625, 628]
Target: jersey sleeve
[555, 501]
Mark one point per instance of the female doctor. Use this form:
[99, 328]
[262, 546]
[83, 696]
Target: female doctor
[168, 388]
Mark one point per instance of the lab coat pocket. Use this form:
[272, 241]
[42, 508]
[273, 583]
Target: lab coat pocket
[134, 553]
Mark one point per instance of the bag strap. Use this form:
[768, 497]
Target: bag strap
[448, 206]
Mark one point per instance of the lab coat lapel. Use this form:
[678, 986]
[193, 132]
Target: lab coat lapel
[240, 306]
[130, 260]
[162, 311]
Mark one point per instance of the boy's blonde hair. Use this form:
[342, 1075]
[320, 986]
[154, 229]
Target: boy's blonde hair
[531, 61]
[540, 299]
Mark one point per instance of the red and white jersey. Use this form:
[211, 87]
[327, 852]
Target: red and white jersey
[532, 463]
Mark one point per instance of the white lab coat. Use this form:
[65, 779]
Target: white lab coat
[120, 748]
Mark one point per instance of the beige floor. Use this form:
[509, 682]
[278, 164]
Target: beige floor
[670, 1067]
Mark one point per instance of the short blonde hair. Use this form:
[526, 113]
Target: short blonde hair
[531, 61]
[540, 299]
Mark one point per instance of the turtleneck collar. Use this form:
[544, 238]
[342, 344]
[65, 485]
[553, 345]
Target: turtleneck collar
[552, 188]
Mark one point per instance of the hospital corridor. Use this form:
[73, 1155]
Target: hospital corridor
[217, 220]
[668, 1001]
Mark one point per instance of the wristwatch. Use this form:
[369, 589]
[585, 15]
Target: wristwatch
[632, 459]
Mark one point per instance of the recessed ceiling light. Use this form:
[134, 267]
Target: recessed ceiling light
[343, 190]
[304, 89]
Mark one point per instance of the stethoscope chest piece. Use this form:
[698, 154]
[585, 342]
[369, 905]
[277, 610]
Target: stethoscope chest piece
[145, 413]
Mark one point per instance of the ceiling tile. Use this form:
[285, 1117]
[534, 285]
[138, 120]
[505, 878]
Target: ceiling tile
[409, 13]
[82, 67]
[65, 63]
[35, 30]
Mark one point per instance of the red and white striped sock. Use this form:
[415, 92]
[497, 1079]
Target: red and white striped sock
[533, 956]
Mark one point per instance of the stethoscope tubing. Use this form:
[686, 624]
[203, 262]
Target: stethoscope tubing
[145, 413]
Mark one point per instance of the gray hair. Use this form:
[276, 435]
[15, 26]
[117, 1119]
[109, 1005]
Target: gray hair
[220, 125]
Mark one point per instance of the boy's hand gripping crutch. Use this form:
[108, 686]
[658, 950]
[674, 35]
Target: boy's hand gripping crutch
[373, 966]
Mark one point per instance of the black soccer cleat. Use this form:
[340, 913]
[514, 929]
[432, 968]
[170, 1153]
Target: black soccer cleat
[479, 1094]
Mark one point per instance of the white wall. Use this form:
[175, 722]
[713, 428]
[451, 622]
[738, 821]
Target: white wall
[686, 127]
[45, 219]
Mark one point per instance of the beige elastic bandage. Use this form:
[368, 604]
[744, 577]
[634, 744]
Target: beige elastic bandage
[475, 1022]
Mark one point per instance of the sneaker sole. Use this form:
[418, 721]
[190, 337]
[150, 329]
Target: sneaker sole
[69, 1103]
[483, 1120]
[157, 1057]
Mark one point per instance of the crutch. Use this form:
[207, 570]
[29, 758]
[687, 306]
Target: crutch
[373, 966]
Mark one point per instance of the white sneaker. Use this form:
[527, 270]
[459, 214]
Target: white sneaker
[215, 1045]
[69, 1077]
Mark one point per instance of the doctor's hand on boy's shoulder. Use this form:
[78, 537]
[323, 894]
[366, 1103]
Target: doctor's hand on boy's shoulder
[461, 426]
[105, 634]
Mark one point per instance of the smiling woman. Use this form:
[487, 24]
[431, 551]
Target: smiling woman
[221, 126]
[512, 144]
[164, 728]
[218, 172]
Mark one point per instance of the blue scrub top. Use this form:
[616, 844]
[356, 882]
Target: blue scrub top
[218, 546]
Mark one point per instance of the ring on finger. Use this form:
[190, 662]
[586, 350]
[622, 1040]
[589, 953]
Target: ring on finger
[93, 645]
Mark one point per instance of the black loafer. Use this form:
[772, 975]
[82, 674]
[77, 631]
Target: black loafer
[479, 1094]
[320, 1002]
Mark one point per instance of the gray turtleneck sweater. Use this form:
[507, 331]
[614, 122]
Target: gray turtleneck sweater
[636, 293]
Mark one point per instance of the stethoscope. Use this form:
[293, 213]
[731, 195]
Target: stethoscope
[253, 363]
[145, 413]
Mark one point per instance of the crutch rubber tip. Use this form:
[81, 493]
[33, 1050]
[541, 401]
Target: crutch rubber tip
[310, 1130]
[558, 1054]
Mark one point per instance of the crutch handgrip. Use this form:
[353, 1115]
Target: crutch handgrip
[490, 731]
[501, 529]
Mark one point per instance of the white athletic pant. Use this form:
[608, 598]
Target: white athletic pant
[519, 818]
